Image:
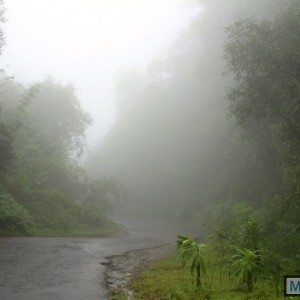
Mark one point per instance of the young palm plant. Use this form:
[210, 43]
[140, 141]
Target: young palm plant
[189, 251]
[253, 233]
[246, 264]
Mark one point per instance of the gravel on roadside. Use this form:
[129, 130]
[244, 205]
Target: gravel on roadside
[121, 269]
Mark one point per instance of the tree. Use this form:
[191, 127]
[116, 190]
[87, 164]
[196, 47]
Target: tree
[6, 136]
[43, 176]
[56, 109]
[6, 139]
[13, 217]
[263, 56]
[191, 251]
[252, 233]
[264, 59]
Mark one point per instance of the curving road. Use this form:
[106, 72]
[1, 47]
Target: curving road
[68, 268]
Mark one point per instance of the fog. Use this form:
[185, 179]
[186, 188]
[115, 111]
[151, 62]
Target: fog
[87, 43]
[133, 123]
[150, 95]
[171, 145]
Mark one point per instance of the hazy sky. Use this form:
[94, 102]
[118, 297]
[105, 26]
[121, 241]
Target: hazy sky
[86, 42]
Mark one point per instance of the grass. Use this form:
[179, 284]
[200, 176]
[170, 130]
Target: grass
[119, 295]
[167, 279]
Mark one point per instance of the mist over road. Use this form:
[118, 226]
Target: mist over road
[69, 268]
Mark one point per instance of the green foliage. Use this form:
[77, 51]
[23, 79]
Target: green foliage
[254, 50]
[246, 265]
[6, 139]
[53, 209]
[14, 218]
[166, 279]
[274, 267]
[43, 135]
[264, 98]
[252, 233]
[241, 181]
[193, 252]
[172, 145]
[56, 110]
[92, 215]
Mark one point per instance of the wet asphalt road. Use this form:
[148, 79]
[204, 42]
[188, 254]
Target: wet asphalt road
[67, 268]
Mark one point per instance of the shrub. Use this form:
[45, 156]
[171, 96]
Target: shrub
[246, 265]
[93, 215]
[14, 218]
[191, 251]
[52, 209]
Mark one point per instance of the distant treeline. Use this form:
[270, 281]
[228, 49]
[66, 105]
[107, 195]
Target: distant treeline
[210, 133]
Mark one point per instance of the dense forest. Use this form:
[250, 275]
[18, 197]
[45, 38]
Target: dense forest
[43, 189]
[210, 133]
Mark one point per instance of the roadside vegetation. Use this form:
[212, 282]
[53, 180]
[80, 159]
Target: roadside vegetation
[212, 129]
[228, 98]
[239, 263]
[167, 279]
[224, 267]
[43, 189]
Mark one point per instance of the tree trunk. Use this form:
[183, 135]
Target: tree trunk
[249, 282]
[198, 277]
